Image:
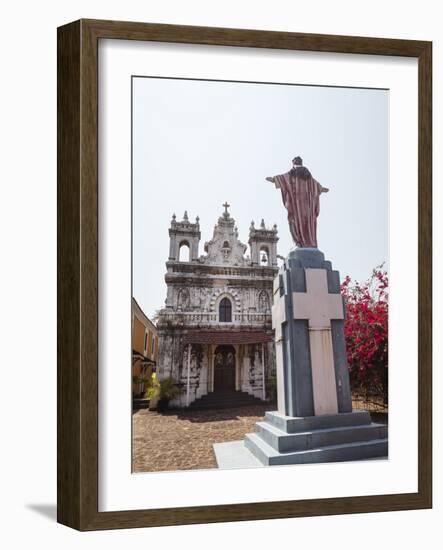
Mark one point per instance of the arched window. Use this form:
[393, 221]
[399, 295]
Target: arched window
[264, 255]
[184, 252]
[225, 311]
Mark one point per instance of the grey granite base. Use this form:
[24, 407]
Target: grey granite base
[342, 437]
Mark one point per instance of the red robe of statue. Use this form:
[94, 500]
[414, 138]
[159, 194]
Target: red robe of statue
[301, 198]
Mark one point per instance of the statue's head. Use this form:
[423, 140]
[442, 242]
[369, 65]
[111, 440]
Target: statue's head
[299, 170]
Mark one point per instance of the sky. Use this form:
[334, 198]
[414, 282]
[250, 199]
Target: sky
[197, 144]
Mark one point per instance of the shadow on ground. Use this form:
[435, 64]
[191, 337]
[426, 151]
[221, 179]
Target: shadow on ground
[215, 415]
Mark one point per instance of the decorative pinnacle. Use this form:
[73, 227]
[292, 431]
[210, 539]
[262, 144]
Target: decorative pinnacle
[174, 217]
[262, 225]
[185, 216]
[197, 219]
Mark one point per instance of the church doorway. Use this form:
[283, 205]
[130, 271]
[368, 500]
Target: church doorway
[224, 369]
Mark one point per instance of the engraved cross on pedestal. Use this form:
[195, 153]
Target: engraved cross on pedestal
[319, 307]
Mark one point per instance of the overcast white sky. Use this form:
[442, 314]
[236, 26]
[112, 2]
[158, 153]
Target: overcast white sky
[197, 144]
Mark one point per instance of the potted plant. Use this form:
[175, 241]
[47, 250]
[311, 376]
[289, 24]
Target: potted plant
[169, 390]
[163, 391]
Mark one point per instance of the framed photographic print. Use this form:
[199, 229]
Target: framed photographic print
[244, 274]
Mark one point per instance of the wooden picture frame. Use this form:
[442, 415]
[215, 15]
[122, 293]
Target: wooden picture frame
[77, 479]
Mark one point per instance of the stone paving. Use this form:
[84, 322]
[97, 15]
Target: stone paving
[182, 440]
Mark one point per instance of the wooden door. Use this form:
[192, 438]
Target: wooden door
[224, 369]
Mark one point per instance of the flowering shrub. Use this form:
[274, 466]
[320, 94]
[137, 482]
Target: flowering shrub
[366, 333]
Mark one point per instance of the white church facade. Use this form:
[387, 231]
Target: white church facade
[215, 331]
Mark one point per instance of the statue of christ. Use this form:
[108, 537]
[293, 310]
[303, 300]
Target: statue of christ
[300, 194]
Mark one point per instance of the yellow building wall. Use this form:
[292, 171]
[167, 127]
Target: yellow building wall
[139, 330]
[138, 337]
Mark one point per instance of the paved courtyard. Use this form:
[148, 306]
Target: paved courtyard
[182, 440]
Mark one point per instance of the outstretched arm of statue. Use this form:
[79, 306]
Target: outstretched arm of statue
[324, 190]
[274, 181]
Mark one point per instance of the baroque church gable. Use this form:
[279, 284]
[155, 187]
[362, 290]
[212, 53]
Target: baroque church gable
[225, 248]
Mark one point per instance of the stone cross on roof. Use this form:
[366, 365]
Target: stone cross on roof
[226, 213]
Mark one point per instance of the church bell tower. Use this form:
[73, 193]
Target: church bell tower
[263, 244]
[184, 233]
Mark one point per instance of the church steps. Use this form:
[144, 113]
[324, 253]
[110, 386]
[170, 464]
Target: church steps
[225, 400]
[284, 442]
[331, 453]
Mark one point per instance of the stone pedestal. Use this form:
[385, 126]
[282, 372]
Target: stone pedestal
[308, 318]
[314, 422]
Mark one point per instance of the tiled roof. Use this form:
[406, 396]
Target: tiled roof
[226, 337]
